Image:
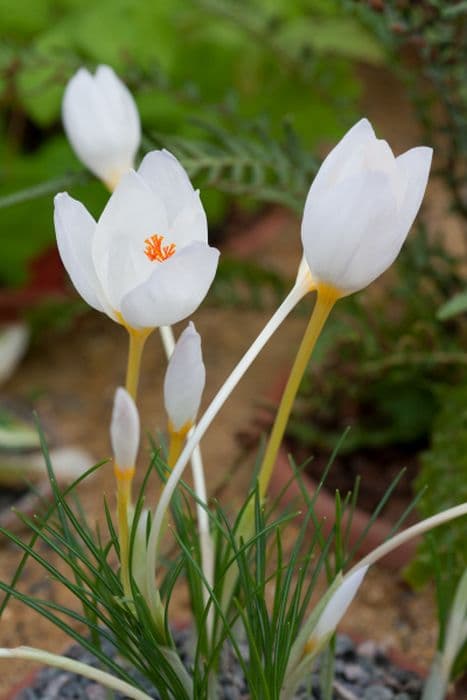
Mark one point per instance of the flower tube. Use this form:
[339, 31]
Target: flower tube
[302, 286]
[124, 436]
[102, 123]
[358, 212]
[146, 262]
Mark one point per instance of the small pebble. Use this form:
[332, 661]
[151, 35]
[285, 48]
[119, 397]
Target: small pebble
[355, 674]
[378, 692]
[344, 646]
[368, 649]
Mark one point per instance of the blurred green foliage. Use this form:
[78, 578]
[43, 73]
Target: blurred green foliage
[444, 473]
[183, 60]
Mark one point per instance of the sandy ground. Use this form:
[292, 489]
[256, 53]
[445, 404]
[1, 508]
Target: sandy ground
[70, 378]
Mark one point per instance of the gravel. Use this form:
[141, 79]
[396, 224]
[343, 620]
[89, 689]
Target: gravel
[361, 673]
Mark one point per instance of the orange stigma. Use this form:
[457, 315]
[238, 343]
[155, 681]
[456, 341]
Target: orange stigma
[157, 252]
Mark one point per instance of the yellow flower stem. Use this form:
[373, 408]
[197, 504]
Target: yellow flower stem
[124, 480]
[135, 351]
[176, 442]
[325, 300]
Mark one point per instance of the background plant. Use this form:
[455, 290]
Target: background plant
[160, 50]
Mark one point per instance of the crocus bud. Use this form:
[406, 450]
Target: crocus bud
[360, 208]
[124, 433]
[337, 606]
[102, 123]
[184, 380]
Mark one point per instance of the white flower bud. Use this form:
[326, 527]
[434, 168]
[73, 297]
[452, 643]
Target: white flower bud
[124, 431]
[102, 123]
[338, 604]
[184, 380]
[360, 208]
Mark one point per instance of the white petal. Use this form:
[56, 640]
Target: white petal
[101, 122]
[74, 228]
[14, 339]
[360, 135]
[169, 180]
[338, 604]
[190, 224]
[133, 213]
[175, 289]
[124, 430]
[347, 231]
[184, 379]
[413, 167]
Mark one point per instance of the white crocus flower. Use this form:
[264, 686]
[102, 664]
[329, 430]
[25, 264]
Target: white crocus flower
[146, 262]
[102, 123]
[360, 208]
[184, 381]
[124, 433]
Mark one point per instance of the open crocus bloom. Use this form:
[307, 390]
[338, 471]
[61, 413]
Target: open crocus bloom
[102, 123]
[146, 262]
[360, 208]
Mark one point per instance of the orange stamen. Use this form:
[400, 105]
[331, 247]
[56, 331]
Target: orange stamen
[157, 252]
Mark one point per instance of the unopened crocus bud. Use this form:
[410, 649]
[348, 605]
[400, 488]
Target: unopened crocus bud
[124, 433]
[337, 606]
[102, 123]
[360, 208]
[184, 381]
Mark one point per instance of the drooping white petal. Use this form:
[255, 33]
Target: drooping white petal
[133, 213]
[338, 604]
[124, 430]
[175, 289]
[184, 379]
[414, 167]
[74, 228]
[345, 231]
[102, 123]
[354, 140]
[14, 339]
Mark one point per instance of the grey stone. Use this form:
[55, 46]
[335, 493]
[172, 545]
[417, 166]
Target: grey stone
[378, 692]
[344, 646]
[355, 674]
